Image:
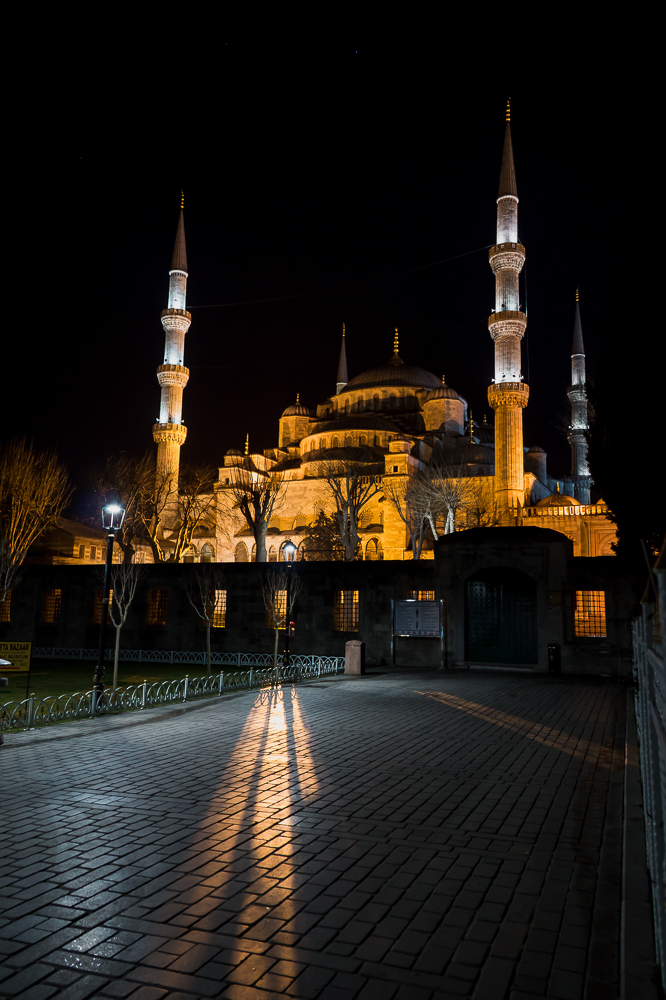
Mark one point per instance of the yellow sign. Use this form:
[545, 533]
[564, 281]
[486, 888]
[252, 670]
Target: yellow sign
[18, 654]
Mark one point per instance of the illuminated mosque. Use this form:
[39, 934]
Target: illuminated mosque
[396, 419]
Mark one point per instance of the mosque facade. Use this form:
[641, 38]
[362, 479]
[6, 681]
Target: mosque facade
[393, 421]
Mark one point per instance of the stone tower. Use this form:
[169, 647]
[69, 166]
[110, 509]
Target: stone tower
[509, 393]
[170, 433]
[580, 470]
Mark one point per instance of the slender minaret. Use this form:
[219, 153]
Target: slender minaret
[509, 393]
[580, 470]
[170, 433]
[343, 377]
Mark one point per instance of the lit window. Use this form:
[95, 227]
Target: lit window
[82, 551]
[220, 609]
[6, 607]
[590, 613]
[97, 606]
[51, 607]
[279, 610]
[422, 595]
[157, 607]
[345, 611]
[93, 552]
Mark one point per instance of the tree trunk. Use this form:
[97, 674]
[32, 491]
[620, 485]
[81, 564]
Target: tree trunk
[260, 540]
[115, 657]
[208, 646]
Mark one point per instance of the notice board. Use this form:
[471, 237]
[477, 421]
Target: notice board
[18, 654]
[417, 619]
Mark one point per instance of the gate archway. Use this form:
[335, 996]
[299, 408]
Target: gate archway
[501, 617]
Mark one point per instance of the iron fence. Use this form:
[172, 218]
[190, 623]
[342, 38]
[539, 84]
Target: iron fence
[32, 712]
[650, 700]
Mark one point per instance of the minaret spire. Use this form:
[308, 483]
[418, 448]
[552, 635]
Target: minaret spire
[508, 394]
[343, 377]
[578, 430]
[169, 432]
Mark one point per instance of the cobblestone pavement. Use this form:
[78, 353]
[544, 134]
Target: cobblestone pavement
[415, 836]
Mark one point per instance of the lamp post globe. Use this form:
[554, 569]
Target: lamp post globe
[289, 550]
[113, 516]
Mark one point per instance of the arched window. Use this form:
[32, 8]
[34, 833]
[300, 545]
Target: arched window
[207, 553]
[349, 441]
[374, 549]
[240, 554]
[362, 441]
[334, 443]
[377, 441]
[190, 554]
[272, 554]
[375, 401]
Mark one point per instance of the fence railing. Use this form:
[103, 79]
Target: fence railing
[32, 712]
[167, 656]
[650, 699]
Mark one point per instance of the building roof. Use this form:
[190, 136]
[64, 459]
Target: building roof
[395, 372]
[474, 454]
[443, 391]
[77, 529]
[357, 422]
[577, 347]
[535, 450]
[179, 258]
[296, 410]
[558, 500]
[507, 183]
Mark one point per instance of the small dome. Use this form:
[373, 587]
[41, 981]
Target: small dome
[474, 454]
[296, 410]
[484, 433]
[235, 451]
[558, 500]
[535, 450]
[443, 392]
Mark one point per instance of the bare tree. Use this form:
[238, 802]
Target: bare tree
[201, 590]
[322, 540]
[350, 488]
[443, 496]
[256, 497]
[146, 496]
[410, 497]
[482, 509]
[274, 592]
[197, 507]
[125, 578]
[34, 491]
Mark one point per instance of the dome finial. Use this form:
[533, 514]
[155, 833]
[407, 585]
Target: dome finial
[577, 296]
[508, 110]
[298, 398]
[343, 329]
[443, 380]
[395, 341]
[182, 199]
[247, 445]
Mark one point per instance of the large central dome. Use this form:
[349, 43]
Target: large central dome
[395, 372]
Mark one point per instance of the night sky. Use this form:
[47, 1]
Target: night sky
[353, 173]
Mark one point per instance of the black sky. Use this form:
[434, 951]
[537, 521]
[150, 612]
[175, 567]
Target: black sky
[304, 169]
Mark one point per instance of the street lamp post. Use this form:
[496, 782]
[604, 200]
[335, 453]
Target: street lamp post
[289, 550]
[112, 521]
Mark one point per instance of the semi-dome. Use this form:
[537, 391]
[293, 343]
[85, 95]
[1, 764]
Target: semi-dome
[485, 433]
[474, 454]
[394, 372]
[356, 422]
[558, 500]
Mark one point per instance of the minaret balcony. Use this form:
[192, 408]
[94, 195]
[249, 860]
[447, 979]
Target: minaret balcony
[171, 433]
[507, 324]
[176, 319]
[173, 375]
[502, 394]
[506, 257]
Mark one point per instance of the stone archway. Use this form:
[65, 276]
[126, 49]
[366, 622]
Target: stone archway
[501, 617]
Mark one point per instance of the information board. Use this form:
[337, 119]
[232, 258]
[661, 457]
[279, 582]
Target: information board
[418, 619]
[18, 654]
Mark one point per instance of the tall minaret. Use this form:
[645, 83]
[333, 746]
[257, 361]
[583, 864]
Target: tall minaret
[343, 377]
[580, 470]
[509, 393]
[170, 433]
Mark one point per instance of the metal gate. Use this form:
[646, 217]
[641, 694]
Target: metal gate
[501, 617]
